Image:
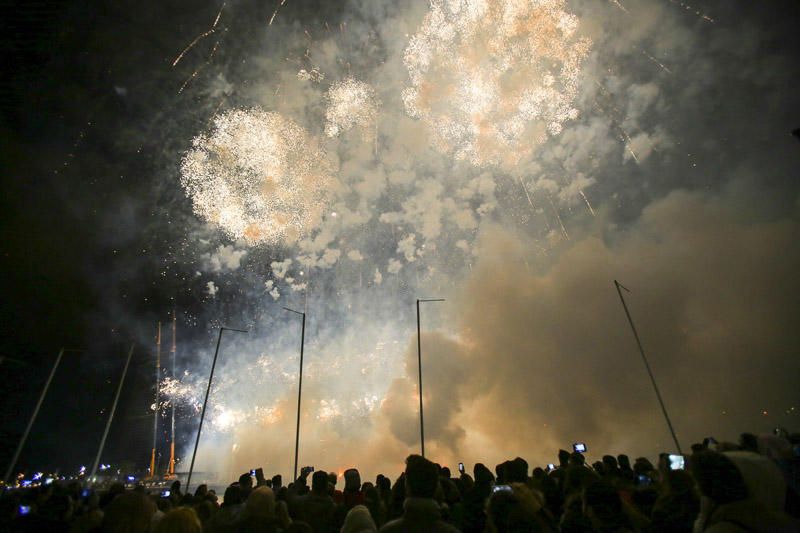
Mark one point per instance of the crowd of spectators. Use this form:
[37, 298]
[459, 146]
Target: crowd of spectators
[751, 486]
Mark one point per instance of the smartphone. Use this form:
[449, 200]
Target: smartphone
[676, 462]
[502, 488]
[643, 480]
[253, 472]
[165, 493]
[24, 510]
[551, 467]
[461, 467]
[579, 447]
[85, 493]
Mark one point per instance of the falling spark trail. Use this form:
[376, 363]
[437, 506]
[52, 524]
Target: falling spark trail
[213, 51]
[633, 154]
[697, 12]
[558, 216]
[190, 78]
[616, 3]
[657, 62]
[587, 201]
[628, 141]
[623, 135]
[274, 14]
[200, 37]
[524, 188]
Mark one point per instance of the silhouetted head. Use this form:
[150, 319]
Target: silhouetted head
[577, 459]
[602, 504]
[624, 462]
[563, 457]
[748, 442]
[130, 512]
[332, 478]
[718, 478]
[513, 509]
[352, 480]
[422, 477]
[201, 491]
[610, 463]
[483, 476]
[358, 520]
[445, 472]
[233, 495]
[517, 471]
[277, 482]
[246, 482]
[180, 520]
[261, 502]
[319, 482]
[642, 465]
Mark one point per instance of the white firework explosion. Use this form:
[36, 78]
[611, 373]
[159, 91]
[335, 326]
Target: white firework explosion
[493, 78]
[258, 176]
[350, 103]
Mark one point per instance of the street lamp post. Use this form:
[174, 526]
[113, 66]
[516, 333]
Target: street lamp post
[419, 360]
[299, 389]
[205, 402]
[646, 364]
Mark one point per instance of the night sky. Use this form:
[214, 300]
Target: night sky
[677, 175]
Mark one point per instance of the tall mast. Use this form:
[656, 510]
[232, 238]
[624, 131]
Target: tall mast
[172, 350]
[156, 409]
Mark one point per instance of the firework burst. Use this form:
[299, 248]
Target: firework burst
[258, 176]
[350, 103]
[493, 78]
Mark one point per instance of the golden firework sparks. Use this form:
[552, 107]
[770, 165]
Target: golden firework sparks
[259, 176]
[493, 78]
[350, 103]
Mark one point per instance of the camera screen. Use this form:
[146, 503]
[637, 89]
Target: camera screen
[579, 447]
[676, 462]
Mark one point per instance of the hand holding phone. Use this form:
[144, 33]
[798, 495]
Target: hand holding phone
[461, 467]
[579, 447]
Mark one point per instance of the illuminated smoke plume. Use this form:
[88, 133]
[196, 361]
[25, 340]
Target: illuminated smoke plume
[350, 103]
[493, 78]
[258, 176]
